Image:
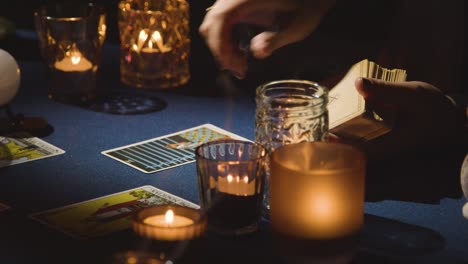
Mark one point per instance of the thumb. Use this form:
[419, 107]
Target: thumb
[403, 95]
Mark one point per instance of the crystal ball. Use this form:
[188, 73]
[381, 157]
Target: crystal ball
[9, 77]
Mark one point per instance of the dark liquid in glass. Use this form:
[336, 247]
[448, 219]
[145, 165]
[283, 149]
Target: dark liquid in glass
[73, 87]
[231, 212]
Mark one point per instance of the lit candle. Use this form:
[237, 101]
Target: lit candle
[150, 44]
[73, 61]
[236, 185]
[317, 190]
[169, 222]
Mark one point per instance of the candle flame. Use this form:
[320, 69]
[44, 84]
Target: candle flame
[169, 217]
[246, 179]
[157, 37]
[142, 36]
[229, 178]
[152, 42]
[75, 59]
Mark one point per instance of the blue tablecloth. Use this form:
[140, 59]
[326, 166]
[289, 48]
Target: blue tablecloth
[83, 173]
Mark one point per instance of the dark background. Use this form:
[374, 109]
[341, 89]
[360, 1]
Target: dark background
[352, 31]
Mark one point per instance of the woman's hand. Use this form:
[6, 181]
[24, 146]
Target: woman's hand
[293, 20]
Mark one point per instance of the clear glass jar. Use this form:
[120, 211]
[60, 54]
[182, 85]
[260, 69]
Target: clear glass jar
[289, 111]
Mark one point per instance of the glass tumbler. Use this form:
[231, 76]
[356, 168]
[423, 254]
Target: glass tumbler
[289, 111]
[230, 183]
[70, 37]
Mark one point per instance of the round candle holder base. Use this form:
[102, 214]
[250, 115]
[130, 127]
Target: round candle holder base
[324, 251]
[151, 82]
[138, 257]
[222, 231]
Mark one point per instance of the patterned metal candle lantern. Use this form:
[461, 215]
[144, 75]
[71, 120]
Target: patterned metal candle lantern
[155, 43]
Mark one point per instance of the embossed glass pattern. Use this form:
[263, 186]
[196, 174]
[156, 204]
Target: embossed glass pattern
[155, 43]
[289, 111]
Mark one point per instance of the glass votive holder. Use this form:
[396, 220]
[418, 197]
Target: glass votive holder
[230, 184]
[317, 198]
[70, 37]
[154, 43]
[289, 111]
[169, 222]
[169, 229]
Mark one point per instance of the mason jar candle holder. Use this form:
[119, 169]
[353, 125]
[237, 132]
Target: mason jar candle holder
[289, 111]
[154, 43]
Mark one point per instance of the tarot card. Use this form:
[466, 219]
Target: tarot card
[21, 147]
[106, 214]
[168, 151]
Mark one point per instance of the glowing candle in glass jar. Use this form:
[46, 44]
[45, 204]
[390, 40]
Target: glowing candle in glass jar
[169, 222]
[235, 185]
[73, 61]
[317, 190]
[150, 44]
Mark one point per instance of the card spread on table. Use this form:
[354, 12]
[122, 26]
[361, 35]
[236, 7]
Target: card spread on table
[21, 147]
[106, 214]
[168, 151]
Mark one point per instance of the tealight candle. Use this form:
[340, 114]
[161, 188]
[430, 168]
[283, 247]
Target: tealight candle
[168, 220]
[73, 61]
[150, 44]
[169, 223]
[235, 185]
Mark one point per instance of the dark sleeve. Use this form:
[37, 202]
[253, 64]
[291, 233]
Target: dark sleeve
[351, 31]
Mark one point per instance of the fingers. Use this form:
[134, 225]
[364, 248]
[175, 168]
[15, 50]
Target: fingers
[218, 24]
[402, 95]
[216, 29]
